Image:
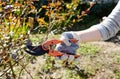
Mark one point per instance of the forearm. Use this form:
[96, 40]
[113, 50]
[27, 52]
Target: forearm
[111, 25]
[103, 31]
[89, 35]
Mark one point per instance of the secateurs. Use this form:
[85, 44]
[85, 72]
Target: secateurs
[48, 47]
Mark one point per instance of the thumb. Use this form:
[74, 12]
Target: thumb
[65, 40]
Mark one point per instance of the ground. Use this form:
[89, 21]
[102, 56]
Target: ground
[109, 57]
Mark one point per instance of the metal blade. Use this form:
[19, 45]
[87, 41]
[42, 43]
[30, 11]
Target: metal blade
[35, 50]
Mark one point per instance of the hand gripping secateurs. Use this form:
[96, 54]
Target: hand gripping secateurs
[47, 47]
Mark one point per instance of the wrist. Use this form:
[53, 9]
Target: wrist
[77, 37]
[66, 36]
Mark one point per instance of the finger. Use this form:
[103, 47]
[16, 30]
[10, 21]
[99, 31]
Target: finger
[71, 59]
[65, 40]
[64, 57]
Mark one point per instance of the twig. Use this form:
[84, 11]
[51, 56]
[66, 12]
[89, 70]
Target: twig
[24, 67]
[11, 67]
[51, 23]
[20, 73]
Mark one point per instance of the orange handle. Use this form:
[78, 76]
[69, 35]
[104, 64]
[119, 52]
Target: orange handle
[73, 40]
[57, 53]
[47, 44]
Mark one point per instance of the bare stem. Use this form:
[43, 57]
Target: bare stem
[24, 67]
[11, 67]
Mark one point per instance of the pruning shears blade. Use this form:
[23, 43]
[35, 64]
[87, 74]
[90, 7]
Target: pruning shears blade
[36, 50]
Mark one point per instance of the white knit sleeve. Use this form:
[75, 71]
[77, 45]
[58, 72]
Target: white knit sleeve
[111, 25]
